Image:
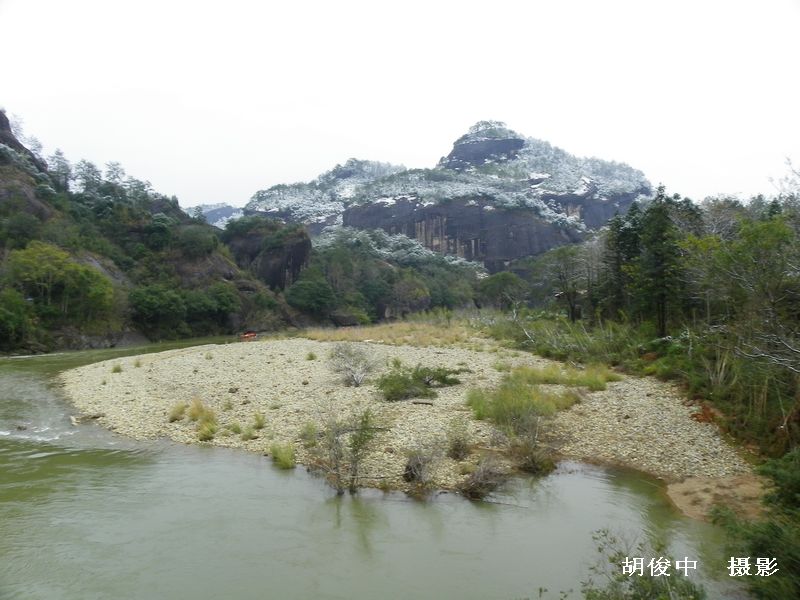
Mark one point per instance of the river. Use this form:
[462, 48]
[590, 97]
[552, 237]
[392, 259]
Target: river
[86, 514]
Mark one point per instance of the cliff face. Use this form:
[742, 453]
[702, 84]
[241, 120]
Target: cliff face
[471, 229]
[497, 196]
[275, 257]
[7, 138]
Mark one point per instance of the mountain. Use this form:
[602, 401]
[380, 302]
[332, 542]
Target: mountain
[217, 215]
[321, 202]
[496, 197]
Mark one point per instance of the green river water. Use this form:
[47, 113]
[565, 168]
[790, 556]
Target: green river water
[86, 514]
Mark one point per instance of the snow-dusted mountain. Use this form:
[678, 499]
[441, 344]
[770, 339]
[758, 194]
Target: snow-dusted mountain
[321, 202]
[497, 196]
[217, 215]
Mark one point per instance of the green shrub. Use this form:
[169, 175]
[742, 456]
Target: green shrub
[619, 586]
[116, 369]
[235, 428]
[311, 356]
[402, 383]
[248, 434]
[283, 455]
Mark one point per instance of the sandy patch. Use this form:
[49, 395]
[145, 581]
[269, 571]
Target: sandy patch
[696, 496]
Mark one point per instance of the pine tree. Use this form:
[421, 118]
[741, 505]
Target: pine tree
[658, 273]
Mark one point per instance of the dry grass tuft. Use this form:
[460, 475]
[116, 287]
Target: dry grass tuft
[398, 333]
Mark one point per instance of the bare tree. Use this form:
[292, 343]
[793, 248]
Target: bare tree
[352, 362]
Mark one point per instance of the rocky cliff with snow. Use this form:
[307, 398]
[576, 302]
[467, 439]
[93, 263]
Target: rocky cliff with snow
[497, 196]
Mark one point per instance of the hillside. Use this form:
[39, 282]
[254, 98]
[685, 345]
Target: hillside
[92, 257]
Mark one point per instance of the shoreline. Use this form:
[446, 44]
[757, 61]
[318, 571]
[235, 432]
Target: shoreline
[637, 423]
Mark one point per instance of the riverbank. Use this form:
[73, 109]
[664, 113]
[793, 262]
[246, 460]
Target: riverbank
[640, 423]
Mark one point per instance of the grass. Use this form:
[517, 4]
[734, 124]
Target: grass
[259, 420]
[228, 405]
[458, 439]
[311, 356]
[177, 412]
[206, 431]
[309, 434]
[283, 455]
[116, 369]
[200, 413]
[205, 418]
[611, 343]
[398, 333]
[209, 356]
[235, 428]
[516, 402]
[248, 434]
[137, 363]
[483, 480]
[593, 377]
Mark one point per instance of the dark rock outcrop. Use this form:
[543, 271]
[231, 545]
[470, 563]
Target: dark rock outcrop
[274, 253]
[475, 153]
[8, 138]
[472, 229]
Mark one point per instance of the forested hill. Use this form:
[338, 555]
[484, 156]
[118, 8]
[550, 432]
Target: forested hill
[90, 257]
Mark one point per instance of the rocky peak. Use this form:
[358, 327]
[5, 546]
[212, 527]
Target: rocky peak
[486, 142]
[8, 138]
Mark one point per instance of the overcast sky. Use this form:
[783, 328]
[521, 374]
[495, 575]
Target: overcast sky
[212, 101]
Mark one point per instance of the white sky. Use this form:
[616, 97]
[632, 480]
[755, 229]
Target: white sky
[212, 101]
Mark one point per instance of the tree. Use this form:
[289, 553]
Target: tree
[565, 274]
[622, 249]
[197, 241]
[19, 229]
[60, 170]
[57, 285]
[115, 174]
[38, 270]
[502, 290]
[157, 308]
[658, 273]
[16, 319]
[88, 177]
[410, 294]
[313, 296]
